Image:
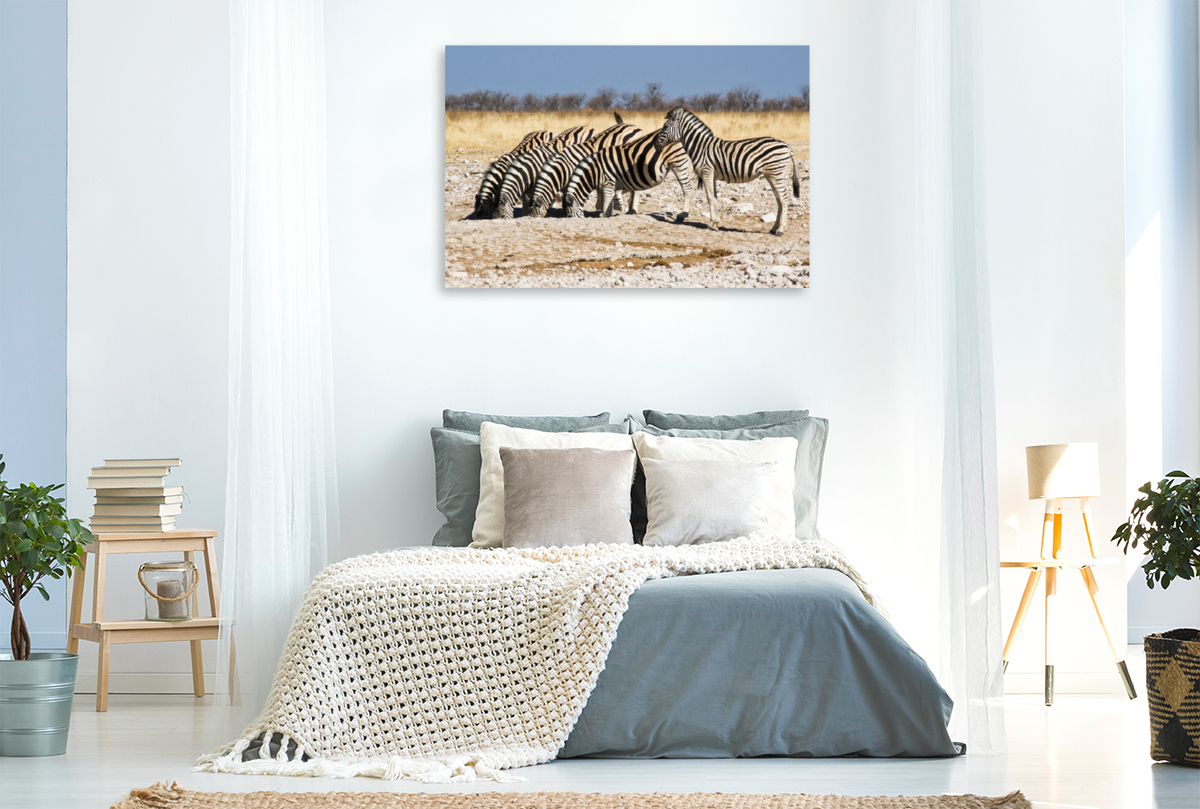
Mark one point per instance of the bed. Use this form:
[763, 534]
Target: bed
[451, 664]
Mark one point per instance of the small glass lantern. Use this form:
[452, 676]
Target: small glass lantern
[169, 587]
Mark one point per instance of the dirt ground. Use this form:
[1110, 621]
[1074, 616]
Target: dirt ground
[647, 249]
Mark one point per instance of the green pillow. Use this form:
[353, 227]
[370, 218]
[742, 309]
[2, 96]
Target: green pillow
[456, 464]
[463, 420]
[810, 432]
[685, 421]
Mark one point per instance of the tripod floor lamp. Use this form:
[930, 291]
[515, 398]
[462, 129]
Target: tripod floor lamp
[1059, 472]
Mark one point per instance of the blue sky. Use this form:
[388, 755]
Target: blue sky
[773, 70]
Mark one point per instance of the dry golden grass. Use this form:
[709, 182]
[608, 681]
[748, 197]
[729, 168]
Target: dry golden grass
[500, 131]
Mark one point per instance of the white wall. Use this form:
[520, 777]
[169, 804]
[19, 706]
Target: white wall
[1162, 240]
[149, 237]
[148, 263]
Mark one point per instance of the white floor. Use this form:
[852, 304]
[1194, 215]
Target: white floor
[1082, 752]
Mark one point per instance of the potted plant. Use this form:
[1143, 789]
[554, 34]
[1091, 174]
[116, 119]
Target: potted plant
[1166, 522]
[36, 688]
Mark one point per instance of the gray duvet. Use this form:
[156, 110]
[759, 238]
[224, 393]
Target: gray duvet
[760, 663]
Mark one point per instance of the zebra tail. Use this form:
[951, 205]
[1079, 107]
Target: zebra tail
[795, 178]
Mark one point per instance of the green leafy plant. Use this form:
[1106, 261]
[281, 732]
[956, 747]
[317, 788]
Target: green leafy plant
[1167, 522]
[36, 540]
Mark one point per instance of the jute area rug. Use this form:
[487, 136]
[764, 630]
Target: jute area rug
[162, 796]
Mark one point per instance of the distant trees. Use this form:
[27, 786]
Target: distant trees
[742, 98]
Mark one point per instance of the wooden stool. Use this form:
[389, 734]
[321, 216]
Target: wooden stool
[106, 633]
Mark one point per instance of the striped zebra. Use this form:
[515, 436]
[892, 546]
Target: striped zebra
[635, 166]
[485, 199]
[733, 161]
[517, 185]
[554, 175]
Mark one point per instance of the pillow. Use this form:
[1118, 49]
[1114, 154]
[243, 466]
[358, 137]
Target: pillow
[566, 496]
[811, 434]
[781, 517]
[489, 514]
[456, 465]
[684, 421]
[690, 502]
[463, 420]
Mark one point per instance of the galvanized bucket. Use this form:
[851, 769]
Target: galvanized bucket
[35, 703]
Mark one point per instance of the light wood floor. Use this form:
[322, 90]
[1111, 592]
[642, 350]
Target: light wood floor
[1083, 752]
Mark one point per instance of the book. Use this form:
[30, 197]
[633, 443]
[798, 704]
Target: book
[126, 482]
[103, 498]
[130, 471]
[149, 491]
[135, 510]
[132, 529]
[127, 462]
[133, 520]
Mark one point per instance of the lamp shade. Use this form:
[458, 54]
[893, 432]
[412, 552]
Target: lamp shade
[1063, 470]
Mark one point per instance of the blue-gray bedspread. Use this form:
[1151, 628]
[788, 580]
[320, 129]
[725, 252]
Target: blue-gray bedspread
[760, 663]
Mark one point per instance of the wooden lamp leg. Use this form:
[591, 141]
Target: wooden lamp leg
[1035, 576]
[1051, 605]
[1093, 588]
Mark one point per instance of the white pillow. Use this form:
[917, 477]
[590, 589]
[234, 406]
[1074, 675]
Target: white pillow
[489, 514]
[691, 502]
[781, 518]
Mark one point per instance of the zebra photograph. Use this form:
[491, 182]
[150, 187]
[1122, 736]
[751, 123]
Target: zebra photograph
[627, 166]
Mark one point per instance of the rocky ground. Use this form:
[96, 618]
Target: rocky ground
[647, 249]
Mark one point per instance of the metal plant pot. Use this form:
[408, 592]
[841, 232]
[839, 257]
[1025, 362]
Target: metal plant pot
[35, 703]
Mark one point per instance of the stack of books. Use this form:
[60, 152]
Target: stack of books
[132, 496]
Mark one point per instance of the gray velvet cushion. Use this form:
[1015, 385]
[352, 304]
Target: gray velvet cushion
[464, 420]
[563, 497]
[695, 501]
[686, 421]
[811, 434]
[456, 463]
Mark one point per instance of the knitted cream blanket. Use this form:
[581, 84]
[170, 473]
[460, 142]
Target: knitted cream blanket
[447, 666]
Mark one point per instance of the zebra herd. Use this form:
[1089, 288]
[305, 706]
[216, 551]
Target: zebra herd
[544, 168]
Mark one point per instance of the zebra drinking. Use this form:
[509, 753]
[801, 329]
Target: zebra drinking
[489, 188]
[733, 161]
[635, 166]
[554, 175]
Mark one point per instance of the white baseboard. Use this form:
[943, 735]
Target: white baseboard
[1066, 682]
[144, 683]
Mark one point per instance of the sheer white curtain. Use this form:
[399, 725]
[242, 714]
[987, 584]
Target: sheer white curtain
[281, 509]
[957, 429]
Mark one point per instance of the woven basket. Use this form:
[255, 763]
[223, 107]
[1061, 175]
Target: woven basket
[1173, 692]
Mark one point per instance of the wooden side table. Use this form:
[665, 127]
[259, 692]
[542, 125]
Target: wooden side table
[106, 633]
[1051, 567]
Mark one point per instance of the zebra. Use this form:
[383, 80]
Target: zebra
[734, 161]
[517, 184]
[557, 171]
[485, 199]
[635, 166]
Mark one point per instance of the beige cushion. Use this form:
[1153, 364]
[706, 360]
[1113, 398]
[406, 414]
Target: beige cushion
[690, 502]
[781, 517]
[488, 531]
[566, 496]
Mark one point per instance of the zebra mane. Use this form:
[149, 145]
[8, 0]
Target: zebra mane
[686, 116]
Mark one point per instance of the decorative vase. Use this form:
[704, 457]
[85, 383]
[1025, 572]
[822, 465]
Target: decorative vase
[1173, 693]
[35, 703]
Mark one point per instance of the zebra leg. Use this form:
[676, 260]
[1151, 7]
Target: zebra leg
[706, 177]
[685, 183]
[632, 201]
[779, 186]
[609, 191]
